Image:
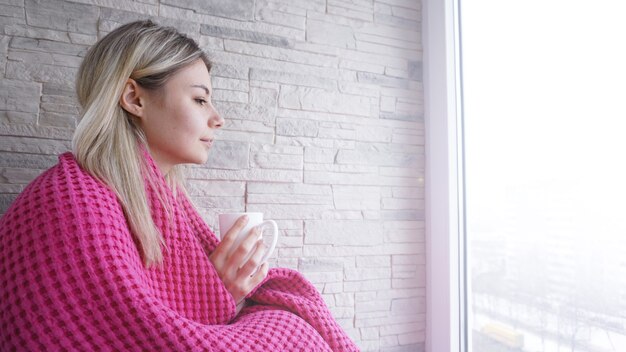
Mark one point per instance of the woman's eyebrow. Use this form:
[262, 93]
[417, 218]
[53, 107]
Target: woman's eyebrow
[206, 89]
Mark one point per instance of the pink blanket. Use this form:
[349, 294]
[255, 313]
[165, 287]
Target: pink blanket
[71, 278]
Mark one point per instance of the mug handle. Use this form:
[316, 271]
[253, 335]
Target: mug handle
[274, 238]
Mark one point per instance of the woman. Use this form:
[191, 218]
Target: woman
[104, 251]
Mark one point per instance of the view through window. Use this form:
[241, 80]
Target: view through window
[544, 100]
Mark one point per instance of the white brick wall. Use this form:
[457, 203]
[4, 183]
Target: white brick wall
[324, 133]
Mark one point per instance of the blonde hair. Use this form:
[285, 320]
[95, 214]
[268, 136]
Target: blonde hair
[108, 142]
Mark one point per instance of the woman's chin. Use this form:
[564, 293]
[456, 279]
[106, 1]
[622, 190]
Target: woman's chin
[203, 159]
[197, 160]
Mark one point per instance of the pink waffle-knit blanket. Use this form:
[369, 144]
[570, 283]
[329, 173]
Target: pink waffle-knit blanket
[71, 278]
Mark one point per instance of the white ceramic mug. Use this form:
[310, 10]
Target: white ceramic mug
[226, 221]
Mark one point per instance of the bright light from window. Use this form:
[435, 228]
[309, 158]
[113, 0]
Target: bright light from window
[545, 139]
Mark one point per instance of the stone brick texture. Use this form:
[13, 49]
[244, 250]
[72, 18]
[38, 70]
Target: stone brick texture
[323, 101]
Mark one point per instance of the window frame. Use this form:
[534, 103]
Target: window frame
[446, 323]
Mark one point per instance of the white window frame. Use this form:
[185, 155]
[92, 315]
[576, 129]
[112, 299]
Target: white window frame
[445, 317]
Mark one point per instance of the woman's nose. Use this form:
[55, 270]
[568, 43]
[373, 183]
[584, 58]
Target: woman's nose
[216, 120]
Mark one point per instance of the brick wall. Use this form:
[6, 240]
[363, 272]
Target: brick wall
[324, 132]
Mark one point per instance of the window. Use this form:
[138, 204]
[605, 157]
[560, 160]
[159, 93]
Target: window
[544, 119]
[526, 178]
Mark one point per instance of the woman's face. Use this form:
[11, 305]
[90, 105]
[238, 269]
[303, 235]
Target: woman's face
[179, 119]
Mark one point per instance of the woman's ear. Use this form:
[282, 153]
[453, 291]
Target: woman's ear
[131, 99]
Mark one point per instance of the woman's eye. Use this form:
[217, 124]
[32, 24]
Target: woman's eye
[200, 101]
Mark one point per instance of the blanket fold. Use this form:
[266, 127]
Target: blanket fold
[71, 278]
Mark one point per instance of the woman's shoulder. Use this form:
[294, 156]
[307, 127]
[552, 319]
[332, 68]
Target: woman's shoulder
[65, 179]
[63, 191]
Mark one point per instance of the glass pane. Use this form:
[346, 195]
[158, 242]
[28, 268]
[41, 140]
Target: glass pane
[544, 84]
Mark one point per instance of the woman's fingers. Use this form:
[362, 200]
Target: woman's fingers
[231, 235]
[221, 252]
[238, 255]
[257, 277]
[249, 282]
[240, 267]
[249, 268]
[249, 276]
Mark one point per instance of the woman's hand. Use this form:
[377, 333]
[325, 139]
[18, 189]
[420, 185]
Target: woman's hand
[238, 276]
